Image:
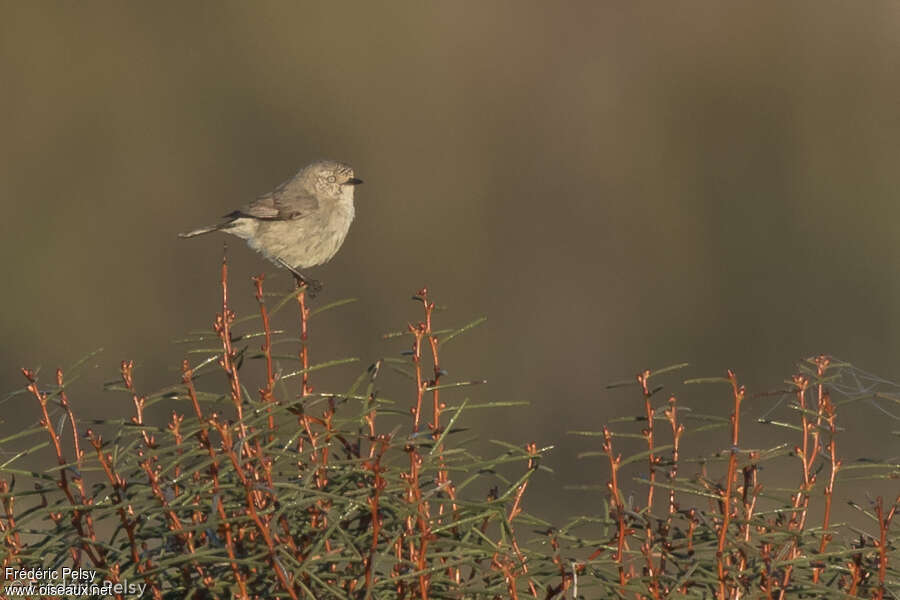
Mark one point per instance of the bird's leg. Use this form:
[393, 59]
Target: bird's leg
[313, 286]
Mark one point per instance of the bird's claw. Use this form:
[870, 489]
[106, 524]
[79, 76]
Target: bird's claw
[313, 286]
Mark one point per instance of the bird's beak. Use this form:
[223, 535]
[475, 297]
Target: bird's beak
[353, 181]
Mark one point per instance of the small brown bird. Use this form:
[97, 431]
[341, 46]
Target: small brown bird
[302, 223]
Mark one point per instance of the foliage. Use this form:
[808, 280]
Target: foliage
[311, 495]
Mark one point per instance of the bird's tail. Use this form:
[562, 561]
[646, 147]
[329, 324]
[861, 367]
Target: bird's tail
[201, 231]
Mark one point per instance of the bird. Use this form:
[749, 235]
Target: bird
[300, 224]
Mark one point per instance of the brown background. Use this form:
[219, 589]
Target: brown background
[615, 185]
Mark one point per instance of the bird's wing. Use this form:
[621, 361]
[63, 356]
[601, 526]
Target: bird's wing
[278, 206]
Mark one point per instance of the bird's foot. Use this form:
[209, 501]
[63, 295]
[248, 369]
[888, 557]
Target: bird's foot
[312, 286]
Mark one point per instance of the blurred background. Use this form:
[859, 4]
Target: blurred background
[616, 186]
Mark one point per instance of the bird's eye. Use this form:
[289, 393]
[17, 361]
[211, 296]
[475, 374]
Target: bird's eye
[332, 179]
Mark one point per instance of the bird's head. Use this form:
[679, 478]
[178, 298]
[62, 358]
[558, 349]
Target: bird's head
[329, 178]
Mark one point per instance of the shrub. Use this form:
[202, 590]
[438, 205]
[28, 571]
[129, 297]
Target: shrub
[315, 495]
